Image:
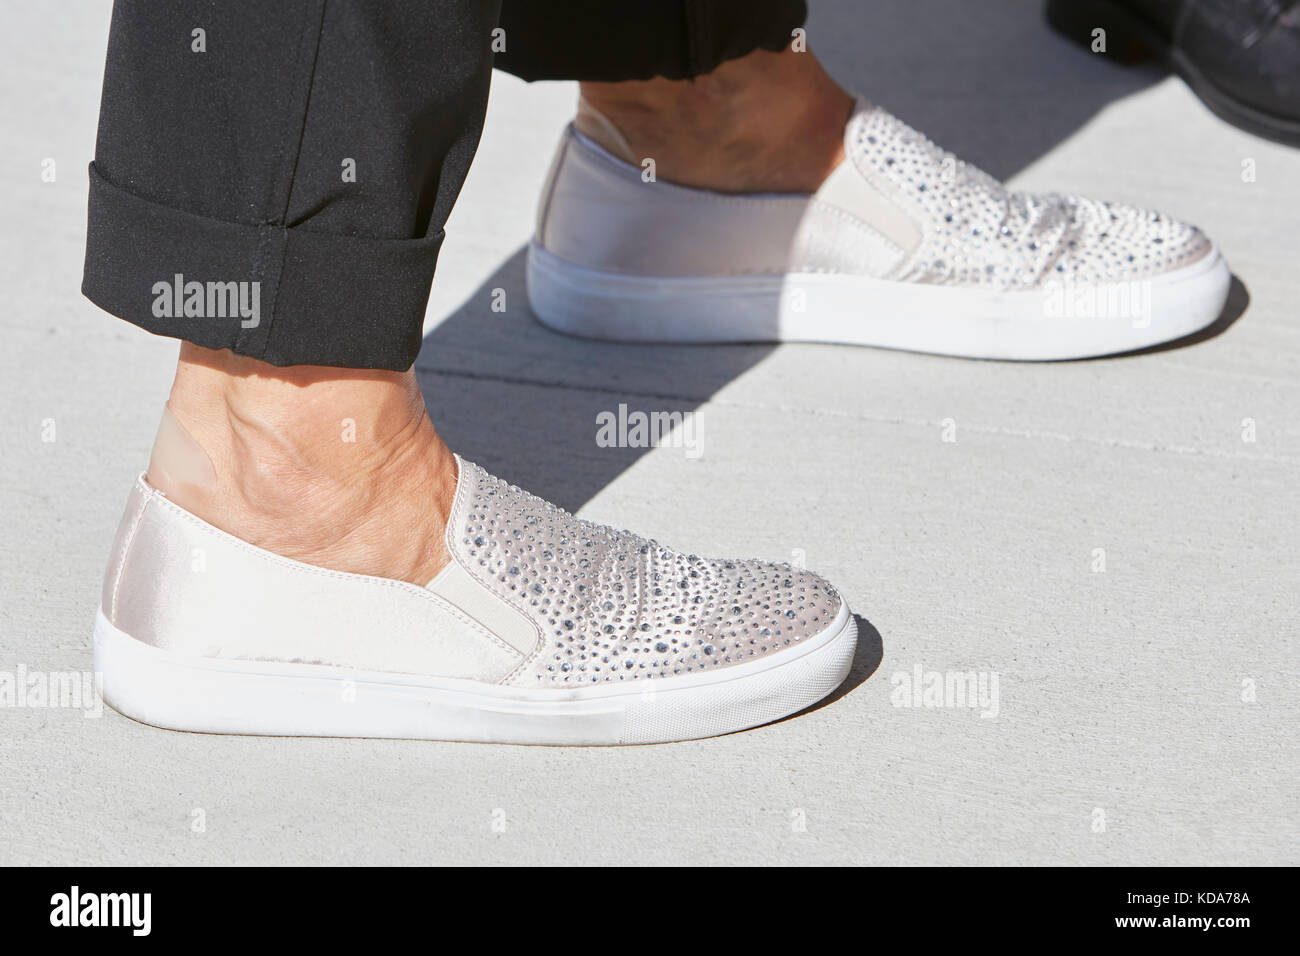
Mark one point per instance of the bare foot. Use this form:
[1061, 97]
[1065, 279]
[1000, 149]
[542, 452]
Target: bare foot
[766, 122]
[340, 468]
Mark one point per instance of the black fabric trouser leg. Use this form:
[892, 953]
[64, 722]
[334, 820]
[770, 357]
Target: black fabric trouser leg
[228, 165]
[222, 210]
[606, 41]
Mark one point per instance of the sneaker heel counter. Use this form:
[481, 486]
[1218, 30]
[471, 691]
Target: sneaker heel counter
[136, 503]
[547, 196]
[591, 212]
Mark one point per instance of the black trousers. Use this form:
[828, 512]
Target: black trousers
[274, 177]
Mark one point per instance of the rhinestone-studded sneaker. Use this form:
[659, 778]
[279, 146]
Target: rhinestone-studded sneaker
[904, 246]
[543, 629]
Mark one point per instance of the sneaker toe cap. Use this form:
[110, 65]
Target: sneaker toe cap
[1116, 241]
[728, 612]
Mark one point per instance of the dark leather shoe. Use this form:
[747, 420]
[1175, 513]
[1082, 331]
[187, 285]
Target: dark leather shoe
[1241, 57]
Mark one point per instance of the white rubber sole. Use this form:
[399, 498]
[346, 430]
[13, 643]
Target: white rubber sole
[211, 695]
[1062, 321]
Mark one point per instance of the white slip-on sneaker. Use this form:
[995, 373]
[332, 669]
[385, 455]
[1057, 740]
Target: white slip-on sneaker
[904, 246]
[543, 629]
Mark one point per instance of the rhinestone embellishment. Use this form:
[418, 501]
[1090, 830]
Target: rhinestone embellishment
[613, 606]
[978, 233]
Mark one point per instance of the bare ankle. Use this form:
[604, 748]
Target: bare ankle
[766, 122]
[336, 467]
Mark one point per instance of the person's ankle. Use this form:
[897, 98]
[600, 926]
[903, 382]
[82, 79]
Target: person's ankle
[335, 467]
[766, 122]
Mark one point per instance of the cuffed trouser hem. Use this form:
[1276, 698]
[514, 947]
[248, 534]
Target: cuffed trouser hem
[310, 298]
